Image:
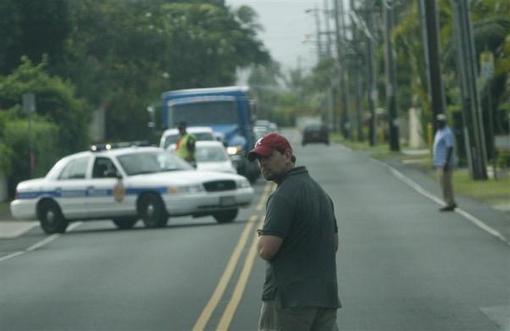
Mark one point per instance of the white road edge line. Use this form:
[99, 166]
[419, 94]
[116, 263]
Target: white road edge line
[10, 256]
[479, 223]
[42, 242]
[39, 244]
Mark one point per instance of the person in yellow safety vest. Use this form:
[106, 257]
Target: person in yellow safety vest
[185, 146]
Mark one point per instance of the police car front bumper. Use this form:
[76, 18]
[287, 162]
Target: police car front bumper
[207, 202]
[23, 209]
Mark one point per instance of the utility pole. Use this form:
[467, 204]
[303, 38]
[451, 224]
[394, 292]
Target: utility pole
[29, 107]
[474, 135]
[372, 82]
[430, 27]
[318, 42]
[338, 87]
[391, 81]
[345, 124]
[331, 92]
[327, 16]
[356, 41]
[365, 18]
[363, 23]
[318, 33]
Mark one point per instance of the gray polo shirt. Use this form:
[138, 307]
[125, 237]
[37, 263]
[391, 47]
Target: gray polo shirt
[303, 272]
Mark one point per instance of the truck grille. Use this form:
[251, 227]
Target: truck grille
[220, 185]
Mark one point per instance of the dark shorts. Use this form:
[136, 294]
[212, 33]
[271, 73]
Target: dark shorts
[273, 318]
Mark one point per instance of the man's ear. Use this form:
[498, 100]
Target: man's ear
[288, 154]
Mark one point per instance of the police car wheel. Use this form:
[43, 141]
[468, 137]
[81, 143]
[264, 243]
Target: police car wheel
[51, 218]
[226, 216]
[152, 211]
[124, 223]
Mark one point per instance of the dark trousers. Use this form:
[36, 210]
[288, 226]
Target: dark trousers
[273, 318]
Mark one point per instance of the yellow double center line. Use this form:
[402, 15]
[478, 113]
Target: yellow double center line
[229, 312]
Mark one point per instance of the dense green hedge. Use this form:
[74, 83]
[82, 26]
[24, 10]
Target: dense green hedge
[58, 127]
[43, 136]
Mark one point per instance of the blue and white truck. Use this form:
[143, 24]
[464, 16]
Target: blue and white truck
[227, 110]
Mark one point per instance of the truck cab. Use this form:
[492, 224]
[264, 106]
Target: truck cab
[226, 110]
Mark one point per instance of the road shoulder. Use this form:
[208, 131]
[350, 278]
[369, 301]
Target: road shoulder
[495, 219]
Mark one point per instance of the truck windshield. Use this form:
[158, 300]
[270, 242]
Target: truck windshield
[205, 113]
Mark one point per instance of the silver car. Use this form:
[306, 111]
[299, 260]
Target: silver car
[212, 156]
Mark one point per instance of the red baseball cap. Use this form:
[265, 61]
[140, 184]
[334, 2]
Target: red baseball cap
[265, 146]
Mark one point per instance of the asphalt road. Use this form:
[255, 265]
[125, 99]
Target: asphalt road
[402, 265]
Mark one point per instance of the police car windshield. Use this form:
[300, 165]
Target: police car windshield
[151, 162]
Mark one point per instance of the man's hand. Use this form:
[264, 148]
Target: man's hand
[449, 154]
[268, 246]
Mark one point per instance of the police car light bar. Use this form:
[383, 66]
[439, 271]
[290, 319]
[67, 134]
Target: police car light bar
[123, 144]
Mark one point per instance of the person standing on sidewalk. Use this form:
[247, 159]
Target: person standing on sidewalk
[299, 241]
[443, 159]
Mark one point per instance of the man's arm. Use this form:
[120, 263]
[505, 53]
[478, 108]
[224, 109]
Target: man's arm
[268, 246]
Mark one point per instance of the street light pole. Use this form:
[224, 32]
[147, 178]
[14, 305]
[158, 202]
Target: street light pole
[29, 107]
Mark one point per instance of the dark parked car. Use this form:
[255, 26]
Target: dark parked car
[315, 133]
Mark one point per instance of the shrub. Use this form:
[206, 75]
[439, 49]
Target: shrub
[42, 136]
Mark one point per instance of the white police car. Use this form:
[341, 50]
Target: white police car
[125, 185]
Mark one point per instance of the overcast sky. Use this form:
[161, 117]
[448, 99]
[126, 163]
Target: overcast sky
[286, 25]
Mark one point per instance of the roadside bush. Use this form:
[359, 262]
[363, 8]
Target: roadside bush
[44, 138]
[5, 158]
[5, 150]
[55, 101]
[58, 127]
[503, 160]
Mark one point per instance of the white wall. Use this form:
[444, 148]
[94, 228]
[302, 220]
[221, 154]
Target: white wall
[415, 129]
[97, 125]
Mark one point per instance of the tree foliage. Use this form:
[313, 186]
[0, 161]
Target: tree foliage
[33, 29]
[55, 100]
[113, 55]
[58, 127]
[122, 55]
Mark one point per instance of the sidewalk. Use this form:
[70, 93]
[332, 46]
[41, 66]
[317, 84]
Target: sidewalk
[11, 228]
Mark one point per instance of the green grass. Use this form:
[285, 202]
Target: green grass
[491, 190]
[380, 151]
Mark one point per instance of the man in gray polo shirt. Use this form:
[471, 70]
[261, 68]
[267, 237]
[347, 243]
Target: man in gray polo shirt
[299, 241]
